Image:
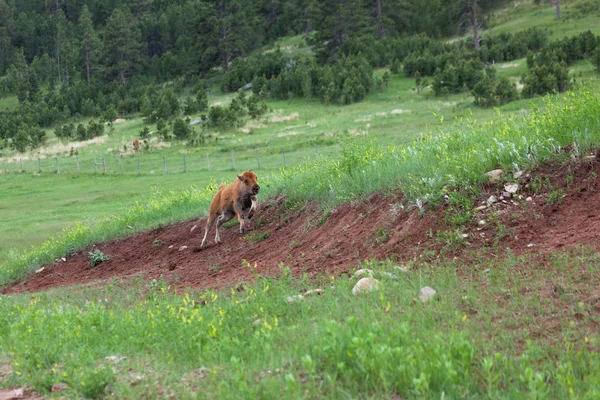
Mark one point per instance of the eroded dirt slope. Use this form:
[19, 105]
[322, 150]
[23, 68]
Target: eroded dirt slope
[377, 228]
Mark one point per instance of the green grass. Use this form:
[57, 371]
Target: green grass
[494, 330]
[527, 15]
[454, 157]
[70, 196]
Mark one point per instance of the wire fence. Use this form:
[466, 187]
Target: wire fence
[149, 163]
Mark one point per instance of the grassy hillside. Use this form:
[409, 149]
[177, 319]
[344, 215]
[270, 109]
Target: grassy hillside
[500, 325]
[396, 116]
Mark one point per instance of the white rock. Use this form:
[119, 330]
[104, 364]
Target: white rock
[37, 271]
[511, 188]
[465, 235]
[494, 175]
[171, 246]
[506, 195]
[530, 245]
[518, 174]
[193, 228]
[426, 294]
[63, 259]
[313, 291]
[365, 285]
[481, 222]
[115, 359]
[493, 199]
[182, 248]
[480, 208]
[291, 299]
[14, 394]
[589, 158]
[389, 275]
[529, 198]
[362, 272]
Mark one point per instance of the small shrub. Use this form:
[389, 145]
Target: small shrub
[97, 257]
[256, 237]
[555, 197]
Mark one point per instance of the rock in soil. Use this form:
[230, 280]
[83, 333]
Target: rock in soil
[493, 199]
[365, 285]
[511, 188]
[312, 291]
[362, 272]
[59, 387]
[426, 293]
[494, 175]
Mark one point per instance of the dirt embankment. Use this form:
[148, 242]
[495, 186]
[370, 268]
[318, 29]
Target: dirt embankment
[378, 228]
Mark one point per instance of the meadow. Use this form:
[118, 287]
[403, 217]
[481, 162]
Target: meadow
[491, 332]
[395, 116]
[500, 326]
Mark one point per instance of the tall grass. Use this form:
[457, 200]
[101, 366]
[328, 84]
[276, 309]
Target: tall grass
[456, 157]
[481, 338]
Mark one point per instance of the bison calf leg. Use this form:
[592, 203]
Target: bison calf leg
[240, 217]
[220, 221]
[209, 224]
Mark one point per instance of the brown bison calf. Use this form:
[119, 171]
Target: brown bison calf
[232, 201]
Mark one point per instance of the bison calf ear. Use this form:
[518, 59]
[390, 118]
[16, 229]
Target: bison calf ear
[240, 178]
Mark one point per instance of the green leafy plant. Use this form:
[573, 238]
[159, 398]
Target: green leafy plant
[97, 257]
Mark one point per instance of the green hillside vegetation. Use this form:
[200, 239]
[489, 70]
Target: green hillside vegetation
[359, 97]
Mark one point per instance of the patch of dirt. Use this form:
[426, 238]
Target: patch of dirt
[308, 242]
[284, 118]
[19, 393]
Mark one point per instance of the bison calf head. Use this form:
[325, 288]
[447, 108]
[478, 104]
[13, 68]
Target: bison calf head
[249, 180]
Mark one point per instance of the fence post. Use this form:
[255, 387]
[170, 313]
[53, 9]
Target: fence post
[138, 160]
[184, 163]
[104, 165]
[121, 164]
[257, 159]
[95, 166]
[208, 161]
[77, 161]
[233, 159]
[165, 165]
[283, 154]
[57, 166]
[39, 165]
[21, 162]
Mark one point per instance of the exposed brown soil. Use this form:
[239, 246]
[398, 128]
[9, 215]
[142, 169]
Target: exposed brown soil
[376, 228]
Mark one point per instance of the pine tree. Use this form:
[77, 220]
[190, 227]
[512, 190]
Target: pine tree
[123, 45]
[89, 43]
[392, 17]
[335, 22]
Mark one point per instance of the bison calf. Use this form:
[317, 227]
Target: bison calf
[233, 200]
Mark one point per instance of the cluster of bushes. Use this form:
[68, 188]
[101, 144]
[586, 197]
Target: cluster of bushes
[548, 68]
[347, 81]
[245, 69]
[81, 132]
[225, 117]
[18, 132]
[217, 117]
[492, 92]
[509, 46]
[459, 68]
[457, 76]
